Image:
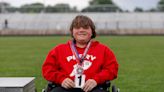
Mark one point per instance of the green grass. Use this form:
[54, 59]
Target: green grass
[141, 59]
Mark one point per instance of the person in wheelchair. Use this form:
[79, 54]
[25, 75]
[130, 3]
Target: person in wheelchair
[82, 64]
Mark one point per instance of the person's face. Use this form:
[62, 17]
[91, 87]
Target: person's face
[82, 35]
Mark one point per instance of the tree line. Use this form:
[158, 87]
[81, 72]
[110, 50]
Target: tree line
[94, 6]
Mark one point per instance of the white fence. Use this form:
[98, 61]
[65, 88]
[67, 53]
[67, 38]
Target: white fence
[103, 21]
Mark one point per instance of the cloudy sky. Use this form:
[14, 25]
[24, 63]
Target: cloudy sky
[131, 4]
[125, 4]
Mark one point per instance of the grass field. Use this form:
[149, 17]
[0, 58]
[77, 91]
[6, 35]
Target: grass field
[141, 59]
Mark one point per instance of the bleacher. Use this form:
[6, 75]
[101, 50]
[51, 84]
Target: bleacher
[106, 23]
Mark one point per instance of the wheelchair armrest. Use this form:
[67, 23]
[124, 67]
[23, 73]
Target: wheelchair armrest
[51, 85]
[108, 83]
[105, 86]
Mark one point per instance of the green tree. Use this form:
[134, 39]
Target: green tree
[101, 6]
[50, 9]
[61, 7]
[32, 8]
[138, 9]
[97, 2]
[160, 5]
[161, 2]
[152, 10]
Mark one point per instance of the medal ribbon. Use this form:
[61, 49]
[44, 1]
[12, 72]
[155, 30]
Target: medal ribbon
[75, 52]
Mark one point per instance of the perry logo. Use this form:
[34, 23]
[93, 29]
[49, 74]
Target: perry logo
[89, 57]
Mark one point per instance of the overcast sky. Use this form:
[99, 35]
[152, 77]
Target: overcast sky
[125, 4]
[131, 4]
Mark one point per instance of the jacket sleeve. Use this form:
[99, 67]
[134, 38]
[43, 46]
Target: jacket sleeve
[51, 70]
[109, 69]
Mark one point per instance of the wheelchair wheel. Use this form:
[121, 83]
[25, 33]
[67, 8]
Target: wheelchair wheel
[114, 88]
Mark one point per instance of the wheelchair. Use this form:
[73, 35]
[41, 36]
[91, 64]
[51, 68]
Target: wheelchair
[106, 86]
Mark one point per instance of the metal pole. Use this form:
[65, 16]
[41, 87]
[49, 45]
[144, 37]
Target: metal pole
[44, 3]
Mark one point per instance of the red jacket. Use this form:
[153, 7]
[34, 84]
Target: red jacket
[100, 63]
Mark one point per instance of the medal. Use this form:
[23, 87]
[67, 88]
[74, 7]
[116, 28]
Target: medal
[79, 60]
[79, 70]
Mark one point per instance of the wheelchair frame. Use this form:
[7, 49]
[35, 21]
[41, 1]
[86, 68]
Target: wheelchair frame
[106, 86]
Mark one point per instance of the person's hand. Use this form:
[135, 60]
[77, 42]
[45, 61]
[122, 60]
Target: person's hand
[67, 83]
[89, 85]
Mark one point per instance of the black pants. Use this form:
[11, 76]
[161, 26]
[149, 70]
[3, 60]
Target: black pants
[61, 89]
